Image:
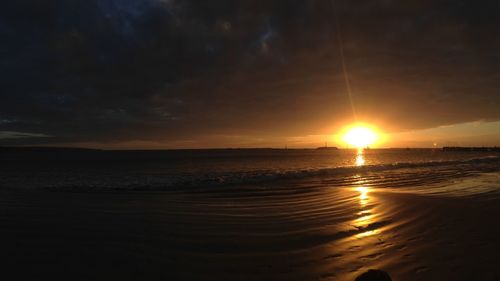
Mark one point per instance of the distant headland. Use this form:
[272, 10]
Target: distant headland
[327, 148]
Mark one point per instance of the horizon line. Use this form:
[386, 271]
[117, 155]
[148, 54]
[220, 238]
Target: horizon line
[235, 148]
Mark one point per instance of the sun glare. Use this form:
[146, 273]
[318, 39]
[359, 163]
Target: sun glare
[360, 136]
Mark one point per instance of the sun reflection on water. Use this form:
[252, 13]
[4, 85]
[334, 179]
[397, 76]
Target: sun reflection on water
[363, 195]
[360, 159]
[366, 215]
[368, 233]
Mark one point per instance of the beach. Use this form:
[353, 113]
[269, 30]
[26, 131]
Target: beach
[153, 140]
[301, 229]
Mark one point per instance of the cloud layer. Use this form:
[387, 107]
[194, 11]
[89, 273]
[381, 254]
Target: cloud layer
[177, 71]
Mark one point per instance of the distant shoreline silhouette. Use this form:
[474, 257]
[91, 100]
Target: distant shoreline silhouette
[83, 149]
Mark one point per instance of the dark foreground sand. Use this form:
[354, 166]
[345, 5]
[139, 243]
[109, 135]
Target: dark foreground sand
[292, 231]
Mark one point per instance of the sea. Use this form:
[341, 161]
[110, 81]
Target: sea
[249, 214]
[170, 170]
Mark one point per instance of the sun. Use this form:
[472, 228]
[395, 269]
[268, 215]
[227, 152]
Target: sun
[360, 136]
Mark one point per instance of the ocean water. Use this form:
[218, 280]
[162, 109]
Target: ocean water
[86, 170]
[250, 214]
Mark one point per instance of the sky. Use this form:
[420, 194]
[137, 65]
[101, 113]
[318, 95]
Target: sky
[225, 73]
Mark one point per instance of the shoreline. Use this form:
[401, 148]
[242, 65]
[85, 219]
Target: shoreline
[303, 231]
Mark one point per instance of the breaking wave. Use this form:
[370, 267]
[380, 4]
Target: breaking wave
[380, 175]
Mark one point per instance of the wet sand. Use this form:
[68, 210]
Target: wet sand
[289, 231]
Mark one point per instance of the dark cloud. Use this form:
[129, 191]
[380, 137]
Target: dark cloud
[169, 70]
